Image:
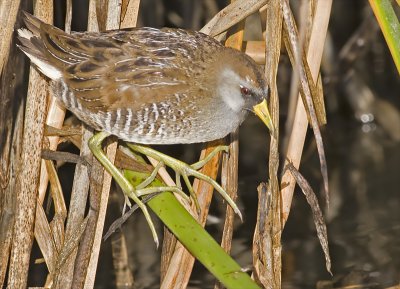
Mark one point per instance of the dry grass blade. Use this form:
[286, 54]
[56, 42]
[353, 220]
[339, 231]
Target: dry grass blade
[55, 118]
[66, 254]
[46, 244]
[307, 85]
[300, 123]
[123, 276]
[8, 198]
[56, 190]
[117, 224]
[60, 156]
[57, 223]
[231, 15]
[102, 208]
[317, 214]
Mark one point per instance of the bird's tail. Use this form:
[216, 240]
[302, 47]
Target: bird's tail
[49, 48]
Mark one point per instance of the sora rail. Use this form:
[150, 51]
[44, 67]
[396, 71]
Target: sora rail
[146, 85]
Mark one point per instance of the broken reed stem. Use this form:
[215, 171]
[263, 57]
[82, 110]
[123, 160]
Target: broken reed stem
[267, 235]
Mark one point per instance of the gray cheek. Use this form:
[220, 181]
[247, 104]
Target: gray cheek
[231, 96]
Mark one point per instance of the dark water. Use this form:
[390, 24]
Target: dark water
[364, 217]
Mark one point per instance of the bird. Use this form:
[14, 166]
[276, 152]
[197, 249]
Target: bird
[148, 86]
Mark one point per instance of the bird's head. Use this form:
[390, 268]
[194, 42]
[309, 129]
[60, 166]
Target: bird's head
[242, 86]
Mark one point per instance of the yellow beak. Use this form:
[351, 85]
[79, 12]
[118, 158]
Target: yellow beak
[261, 110]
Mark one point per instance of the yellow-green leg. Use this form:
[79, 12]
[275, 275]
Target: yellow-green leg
[185, 170]
[95, 146]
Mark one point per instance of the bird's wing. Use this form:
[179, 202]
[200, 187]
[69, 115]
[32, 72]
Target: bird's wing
[114, 68]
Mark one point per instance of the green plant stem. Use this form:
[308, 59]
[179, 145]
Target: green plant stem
[390, 26]
[195, 238]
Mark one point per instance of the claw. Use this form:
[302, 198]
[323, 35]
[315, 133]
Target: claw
[191, 192]
[127, 203]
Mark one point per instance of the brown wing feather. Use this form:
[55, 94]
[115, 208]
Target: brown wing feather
[109, 70]
[127, 64]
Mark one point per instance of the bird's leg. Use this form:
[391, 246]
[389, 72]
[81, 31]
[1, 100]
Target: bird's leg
[95, 146]
[198, 165]
[186, 171]
[150, 178]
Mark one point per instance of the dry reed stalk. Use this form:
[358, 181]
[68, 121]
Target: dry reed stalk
[11, 127]
[232, 14]
[8, 15]
[101, 214]
[63, 276]
[10, 161]
[129, 13]
[28, 180]
[256, 50]
[267, 235]
[300, 123]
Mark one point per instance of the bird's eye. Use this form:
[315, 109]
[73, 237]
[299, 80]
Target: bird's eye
[244, 90]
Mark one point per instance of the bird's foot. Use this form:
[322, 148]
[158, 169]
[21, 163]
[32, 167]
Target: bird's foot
[128, 189]
[142, 189]
[185, 171]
